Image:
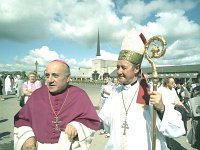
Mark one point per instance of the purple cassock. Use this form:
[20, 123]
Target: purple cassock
[48, 114]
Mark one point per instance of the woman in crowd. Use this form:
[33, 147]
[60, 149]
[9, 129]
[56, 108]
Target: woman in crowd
[30, 86]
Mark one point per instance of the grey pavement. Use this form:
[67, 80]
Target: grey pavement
[10, 107]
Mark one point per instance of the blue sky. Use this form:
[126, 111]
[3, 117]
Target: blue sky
[45, 30]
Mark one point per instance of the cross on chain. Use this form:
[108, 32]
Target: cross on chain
[125, 126]
[56, 122]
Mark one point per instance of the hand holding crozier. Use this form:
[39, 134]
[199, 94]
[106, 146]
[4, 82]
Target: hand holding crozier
[156, 100]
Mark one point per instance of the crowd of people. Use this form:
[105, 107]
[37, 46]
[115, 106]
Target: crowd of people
[19, 85]
[58, 115]
[9, 85]
[194, 134]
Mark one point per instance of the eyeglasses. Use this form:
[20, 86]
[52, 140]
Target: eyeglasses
[54, 75]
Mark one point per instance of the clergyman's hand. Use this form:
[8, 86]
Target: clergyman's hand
[156, 100]
[71, 132]
[29, 144]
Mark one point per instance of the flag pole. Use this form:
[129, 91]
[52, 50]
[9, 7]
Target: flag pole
[156, 53]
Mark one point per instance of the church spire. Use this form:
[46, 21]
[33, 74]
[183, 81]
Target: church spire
[98, 45]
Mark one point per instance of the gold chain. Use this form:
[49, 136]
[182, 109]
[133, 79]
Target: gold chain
[126, 110]
[61, 106]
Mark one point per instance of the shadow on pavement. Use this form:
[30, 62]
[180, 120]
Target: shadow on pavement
[174, 145]
[3, 120]
[4, 135]
[9, 97]
[7, 146]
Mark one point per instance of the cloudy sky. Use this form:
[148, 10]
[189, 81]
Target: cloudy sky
[67, 29]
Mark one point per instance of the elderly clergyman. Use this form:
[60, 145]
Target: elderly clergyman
[57, 116]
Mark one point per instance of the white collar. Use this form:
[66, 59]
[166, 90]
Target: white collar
[126, 87]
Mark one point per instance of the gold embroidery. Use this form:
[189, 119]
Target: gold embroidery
[130, 56]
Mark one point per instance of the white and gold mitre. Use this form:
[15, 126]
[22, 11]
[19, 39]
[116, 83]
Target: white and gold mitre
[133, 47]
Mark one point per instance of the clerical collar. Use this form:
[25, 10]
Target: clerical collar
[133, 83]
[126, 87]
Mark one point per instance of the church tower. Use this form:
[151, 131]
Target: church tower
[98, 45]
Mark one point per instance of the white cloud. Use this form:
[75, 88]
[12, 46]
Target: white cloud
[44, 55]
[26, 63]
[140, 11]
[25, 21]
[108, 56]
[79, 21]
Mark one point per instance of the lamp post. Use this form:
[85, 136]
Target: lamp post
[36, 65]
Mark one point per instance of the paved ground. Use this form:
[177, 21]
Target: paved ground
[10, 106]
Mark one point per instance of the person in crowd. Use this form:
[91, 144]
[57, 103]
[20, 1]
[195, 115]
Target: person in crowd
[195, 123]
[168, 90]
[127, 114]
[183, 94]
[189, 86]
[196, 90]
[57, 116]
[148, 80]
[8, 89]
[1, 90]
[181, 90]
[31, 85]
[106, 90]
[18, 86]
[12, 83]
[116, 83]
[15, 83]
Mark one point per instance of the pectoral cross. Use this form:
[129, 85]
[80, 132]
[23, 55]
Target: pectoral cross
[125, 126]
[56, 122]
